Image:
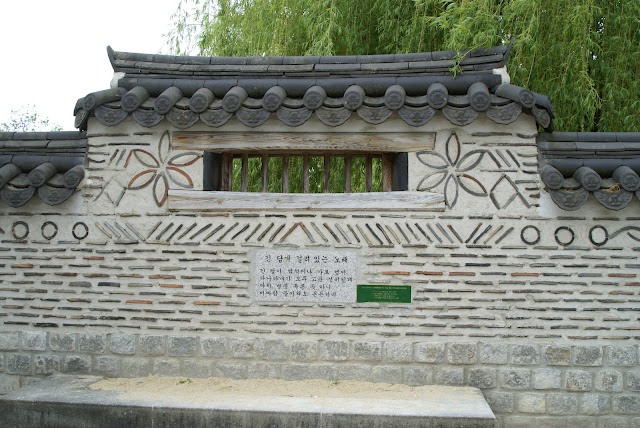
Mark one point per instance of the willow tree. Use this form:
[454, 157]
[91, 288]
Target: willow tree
[583, 54]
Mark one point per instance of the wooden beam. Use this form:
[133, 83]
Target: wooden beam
[191, 200]
[298, 142]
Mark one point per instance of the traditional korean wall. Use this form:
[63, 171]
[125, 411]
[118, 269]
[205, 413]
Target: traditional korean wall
[536, 306]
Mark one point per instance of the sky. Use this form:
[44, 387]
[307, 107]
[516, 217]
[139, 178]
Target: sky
[54, 52]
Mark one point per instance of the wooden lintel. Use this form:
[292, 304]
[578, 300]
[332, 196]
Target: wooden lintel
[191, 200]
[299, 142]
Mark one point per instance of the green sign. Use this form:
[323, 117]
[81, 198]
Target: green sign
[384, 293]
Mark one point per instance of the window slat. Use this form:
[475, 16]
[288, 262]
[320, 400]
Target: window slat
[327, 173]
[265, 173]
[226, 173]
[245, 172]
[368, 173]
[347, 174]
[305, 174]
[387, 172]
[285, 174]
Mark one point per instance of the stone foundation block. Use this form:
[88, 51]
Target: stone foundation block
[429, 352]
[562, 404]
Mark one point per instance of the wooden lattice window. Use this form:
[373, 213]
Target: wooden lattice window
[308, 173]
[302, 171]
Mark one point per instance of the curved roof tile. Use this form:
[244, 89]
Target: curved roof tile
[575, 164]
[186, 90]
[47, 163]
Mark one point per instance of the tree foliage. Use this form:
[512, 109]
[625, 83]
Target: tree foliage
[583, 54]
[27, 119]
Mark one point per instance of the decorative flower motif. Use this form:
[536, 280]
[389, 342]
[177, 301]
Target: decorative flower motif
[451, 170]
[162, 169]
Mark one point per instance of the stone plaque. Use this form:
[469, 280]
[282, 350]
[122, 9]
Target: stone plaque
[305, 276]
[384, 293]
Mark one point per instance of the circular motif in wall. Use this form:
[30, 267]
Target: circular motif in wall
[80, 236]
[604, 235]
[561, 233]
[530, 238]
[49, 230]
[18, 228]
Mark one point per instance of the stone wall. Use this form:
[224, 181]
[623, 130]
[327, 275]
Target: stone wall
[535, 306]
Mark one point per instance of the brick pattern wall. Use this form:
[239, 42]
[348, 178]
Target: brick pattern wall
[536, 307]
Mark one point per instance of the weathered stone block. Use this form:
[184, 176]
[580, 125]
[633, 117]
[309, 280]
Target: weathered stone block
[76, 364]
[613, 421]
[622, 355]
[483, 377]
[123, 344]
[556, 355]
[449, 376]
[94, 343]
[398, 352]
[493, 353]
[462, 353]
[426, 352]
[334, 350]
[106, 366]
[549, 421]
[304, 350]
[635, 423]
[386, 374]
[262, 370]
[9, 341]
[595, 404]
[242, 348]
[367, 351]
[34, 341]
[531, 403]
[196, 368]
[135, 367]
[353, 371]
[323, 371]
[166, 367]
[273, 349]
[588, 356]
[183, 346]
[500, 402]
[578, 380]
[516, 379]
[214, 347]
[608, 381]
[295, 372]
[19, 364]
[626, 404]
[46, 364]
[65, 342]
[418, 376]
[8, 383]
[152, 345]
[525, 354]
[633, 380]
[230, 370]
[562, 404]
[546, 379]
